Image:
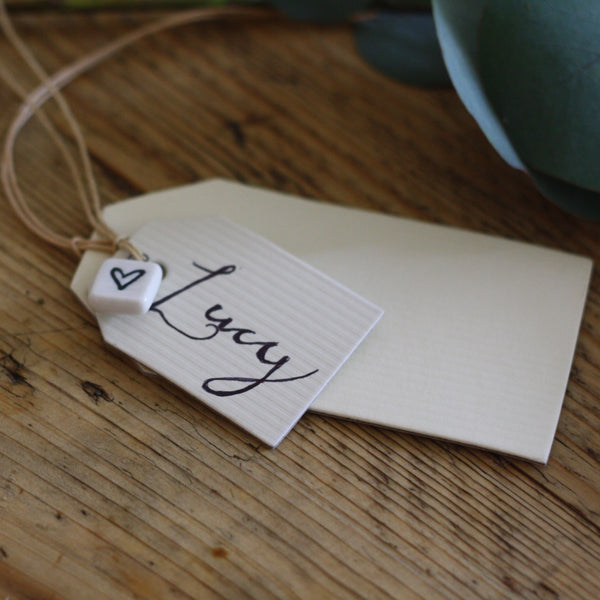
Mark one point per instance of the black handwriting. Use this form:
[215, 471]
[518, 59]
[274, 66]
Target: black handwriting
[241, 336]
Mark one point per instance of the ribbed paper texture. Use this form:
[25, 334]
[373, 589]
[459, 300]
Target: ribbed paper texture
[249, 329]
[479, 332]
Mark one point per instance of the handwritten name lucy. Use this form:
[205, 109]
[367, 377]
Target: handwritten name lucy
[220, 324]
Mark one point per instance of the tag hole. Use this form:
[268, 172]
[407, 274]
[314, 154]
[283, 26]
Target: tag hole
[144, 258]
[163, 268]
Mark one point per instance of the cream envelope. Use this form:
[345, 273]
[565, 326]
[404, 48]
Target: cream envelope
[478, 334]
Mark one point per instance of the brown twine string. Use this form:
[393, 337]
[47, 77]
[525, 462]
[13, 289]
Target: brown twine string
[107, 240]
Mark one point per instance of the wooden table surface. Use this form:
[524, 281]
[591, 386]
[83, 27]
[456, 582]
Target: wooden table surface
[115, 485]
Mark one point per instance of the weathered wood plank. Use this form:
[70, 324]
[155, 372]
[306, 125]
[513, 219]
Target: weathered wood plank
[117, 485]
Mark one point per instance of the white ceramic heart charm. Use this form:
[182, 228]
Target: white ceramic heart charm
[125, 286]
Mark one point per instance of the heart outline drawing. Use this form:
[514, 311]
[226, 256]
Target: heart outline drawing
[124, 280]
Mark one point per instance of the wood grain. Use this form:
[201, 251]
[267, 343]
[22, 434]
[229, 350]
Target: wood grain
[116, 485]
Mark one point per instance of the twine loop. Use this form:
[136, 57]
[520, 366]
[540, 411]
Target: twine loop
[105, 239]
[124, 243]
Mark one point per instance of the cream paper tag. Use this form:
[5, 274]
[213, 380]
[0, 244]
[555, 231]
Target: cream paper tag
[479, 332]
[239, 323]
